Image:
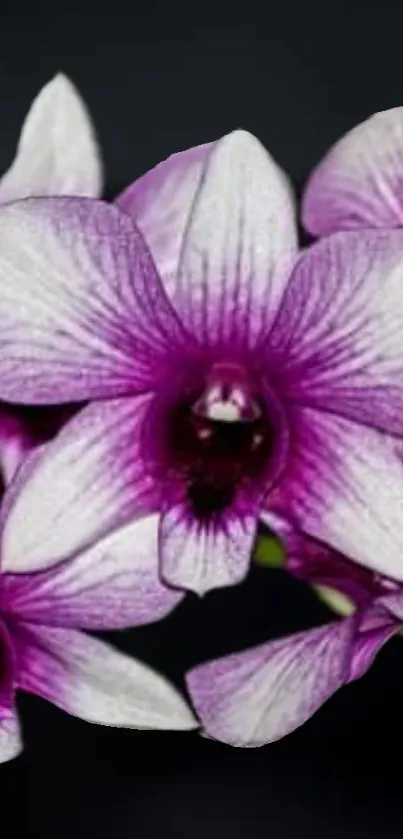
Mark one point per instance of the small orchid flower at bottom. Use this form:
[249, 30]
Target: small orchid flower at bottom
[43, 650]
[259, 695]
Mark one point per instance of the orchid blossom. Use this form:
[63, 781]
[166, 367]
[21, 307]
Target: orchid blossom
[261, 694]
[359, 183]
[229, 379]
[228, 376]
[43, 651]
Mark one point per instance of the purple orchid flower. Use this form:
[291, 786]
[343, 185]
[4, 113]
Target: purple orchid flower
[359, 184]
[259, 695]
[43, 652]
[239, 380]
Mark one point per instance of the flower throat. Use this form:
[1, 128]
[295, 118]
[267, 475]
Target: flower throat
[220, 439]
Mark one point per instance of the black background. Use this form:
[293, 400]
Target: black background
[157, 82]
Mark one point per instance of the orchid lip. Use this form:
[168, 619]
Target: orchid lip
[223, 434]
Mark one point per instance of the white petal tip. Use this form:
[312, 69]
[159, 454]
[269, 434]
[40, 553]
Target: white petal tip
[186, 722]
[57, 153]
[61, 79]
[241, 139]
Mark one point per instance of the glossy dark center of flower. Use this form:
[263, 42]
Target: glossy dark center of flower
[220, 440]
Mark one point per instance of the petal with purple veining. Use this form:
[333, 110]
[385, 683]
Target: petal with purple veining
[83, 314]
[359, 183]
[260, 695]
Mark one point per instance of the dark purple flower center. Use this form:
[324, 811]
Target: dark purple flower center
[219, 439]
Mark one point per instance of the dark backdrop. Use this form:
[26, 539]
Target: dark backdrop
[157, 83]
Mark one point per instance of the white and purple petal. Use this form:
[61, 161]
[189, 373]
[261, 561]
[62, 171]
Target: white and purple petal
[343, 485]
[239, 243]
[337, 579]
[113, 584]
[83, 314]
[393, 602]
[260, 695]
[57, 151]
[86, 483]
[359, 183]
[376, 627]
[337, 343]
[91, 680]
[161, 201]
[201, 555]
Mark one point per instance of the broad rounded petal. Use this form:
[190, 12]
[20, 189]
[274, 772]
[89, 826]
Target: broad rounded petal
[338, 341]
[87, 482]
[377, 627]
[83, 312]
[359, 183]
[239, 244]
[344, 485]
[260, 695]
[91, 680]
[10, 737]
[57, 152]
[201, 556]
[161, 201]
[112, 585]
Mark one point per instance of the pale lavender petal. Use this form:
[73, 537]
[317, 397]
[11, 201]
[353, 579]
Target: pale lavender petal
[343, 485]
[239, 244]
[112, 585]
[83, 312]
[10, 737]
[91, 680]
[161, 202]
[338, 341]
[87, 482]
[359, 183]
[200, 556]
[376, 628]
[57, 152]
[260, 695]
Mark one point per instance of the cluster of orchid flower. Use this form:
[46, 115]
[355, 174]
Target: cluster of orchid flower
[207, 375]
